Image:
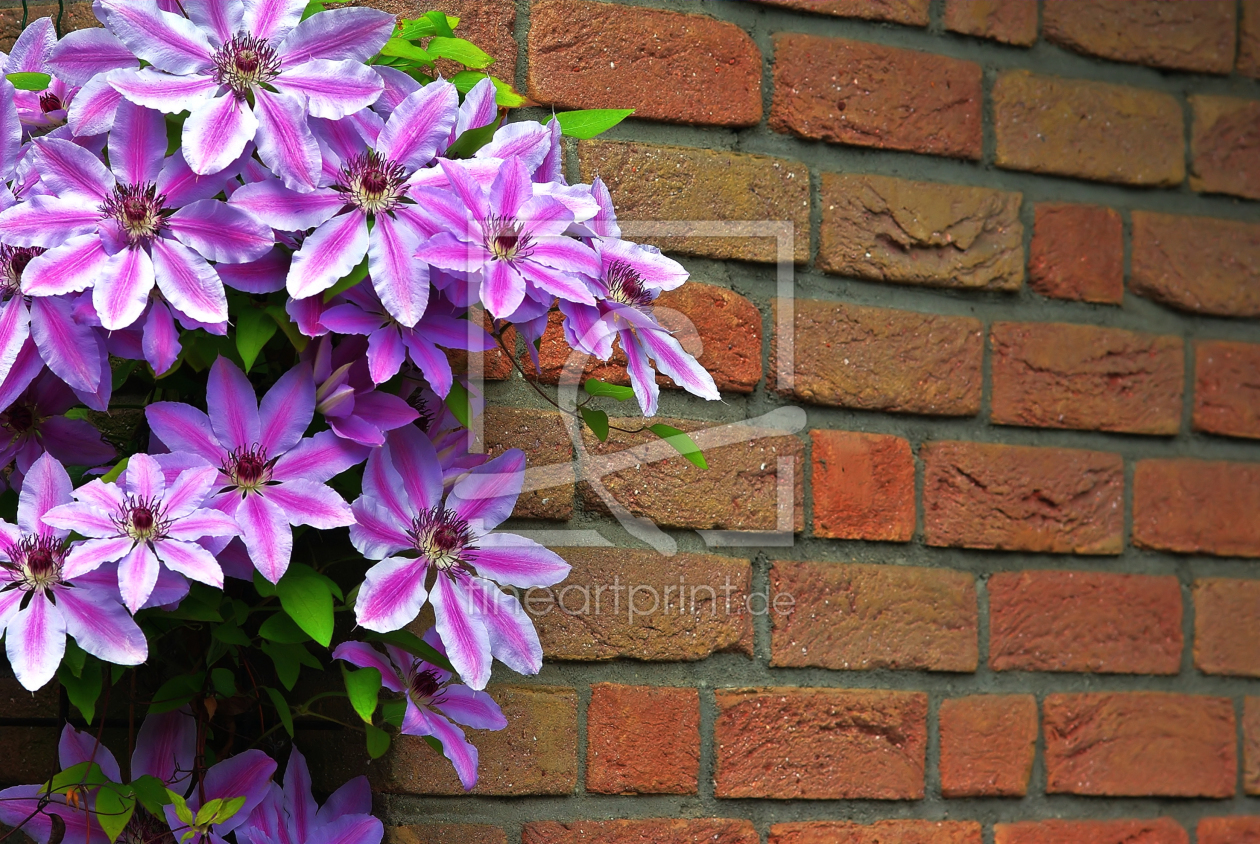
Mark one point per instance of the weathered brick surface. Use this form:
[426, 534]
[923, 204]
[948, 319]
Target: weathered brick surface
[445, 833]
[854, 92]
[588, 617]
[642, 740]
[1225, 146]
[1197, 507]
[1181, 34]
[987, 745]
[492, 365]
[654, 831]
[1090, 130]
[490, 24]
[1249, 38]
[927, 233]
[1226, 626]
[865, 616]
[668, 66]
[1077, 252]
[17, 702]
[910, 12]
[542, 435]
[1139, 744]
[1152, 831]
[1084, 621]
[819, 744]
[1227, 388]
[1018, 498]
[78, 15]
[1010, 23]
[1251, 745]
[1238, 829]
[1197, 264]
[30, 754]
[881, 832]
[1055, 375]
[863, 486]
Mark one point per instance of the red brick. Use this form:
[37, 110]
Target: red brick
[1054, 375]
[1226, 389]
[1251, 745]
[910, 12]
[922, 233]
[1084, 621]
[493, 365]
[587, 617]
[1077, 253]
[1018, 498]
[542, 435]
[880, 359]
[865, 617]
[1197, 264]
[1231, 830]
[654, 831]
[1178, 34]
[1010, 23]
[31, 753]
[880, 832]
[863, 486]
[869, 95]
[444, 833]
[1141, 744]
[1197, 507]
[78, 15]
[1225, 146]
[1249, 38]
[1153, 831]
[1090, 130]
[820, 744]
[1227, 626]
[490, 24]
[987, 745]
[642, 740]
[665, 65]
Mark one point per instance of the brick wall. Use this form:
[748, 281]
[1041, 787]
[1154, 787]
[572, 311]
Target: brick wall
[1026, 495]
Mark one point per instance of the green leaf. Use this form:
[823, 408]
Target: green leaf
[504, 94]
[347, 281]
[254, 327]
[230, 634]
[597, 421]
[441, 25]
[84, 773]
[425, 27]
[151, 792]
[472, 140]
[435, 744]
[176, 691]
[224, 682]
[202, 604]
[74, 657]
[392, 712]
[406, 50]
[414, 645]
[312, 8]
[289, 660]
[282, 708]
[460, 404]
[83, 690]
[112, 475]
[307, 599]
[113, 810]
[208, 811]
[377, 741]
[288, 326]
[682, 443]
[29, 81]
[612, 391]
[364, 688]
[265, 587]
[280, 628]
[590, 122]
[229, 809]
[458, 50]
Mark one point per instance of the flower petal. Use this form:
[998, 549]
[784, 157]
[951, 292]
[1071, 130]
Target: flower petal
[376, 532]
[50, 222]
[267, 536]
[77, 746]
[45, 486]
[243, 775]
[419, 123]
[202, 523]
[137, 144]
[502, 289]
[391, 595]
[284, 139]
[188, 491]
[365, 656]
[642, 376]
[137, 575]
[272, 19]
[184, 428]
[35, 641]
[318, 458]
[102, 627]
[188, 282]
[463, 633]
[161, 338]
[162, 91]
[331, 89]
[385, 354]
[216, 132]
[516, 561]
[72, 350]
[399, 279]
[120, 298]
[285, 209]
[455, 747]
[69, 268]
[311, 503]
[286, 410]
[471, 708]
[337, 34]
[488, 493]
[166, 41]
[190, 560]
[93, 108]
[349, 829]
[413, 456]
[513, 639]
[223, 19]
[221, 232]
[233, 408]
[673, 361]
[70, 171]
[266, 275]
[331, 252]
[83, 54]
[165, 746]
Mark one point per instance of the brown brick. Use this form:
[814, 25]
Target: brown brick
[866, 616]
[642, 740]
[1019, 498]
[444, 833]
[78, 15]
[880, 832]
[1197, 264]
[1140, 744]
[1077, 253]
[1054, 375]
[870, 95]
[1225, 146]
[1153, 831]
[863, 486]
[1226, 626]
[32, 754]
[881, 359]
[923, 233]
[987, 745]
[535, 754]
[820, 744]
[1090, 130]
[1177, 34]
[1226, 388]
[909, 12]
[1249, 38]
[587, 618]
[1230, 830]
[665, 65]
[654, 831]
[548, 448]
[493, 365]
[1197, 507]
[490, 24]
[1084, 621]
[1251, 745]
[651, 183]
[1010, 23]
[17, 702]
[739, 490]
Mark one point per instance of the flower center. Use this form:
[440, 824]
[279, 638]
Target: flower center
[507, 239]
[444, 539]
[142, 518]
[19, 418]
[248, 468]
[424, 687]
[373, 183]
[13, 261]
[139, 209]
[244, 62]
[421, 405]
[48, 101]
[625, 286]
[37, 561]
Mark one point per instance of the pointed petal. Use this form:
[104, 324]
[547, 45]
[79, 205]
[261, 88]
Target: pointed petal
[337, 34]
[165, 745]
[137, 144]
[415, 459]
[188, 490]
[216, 132]
[203, 523]
[286, 410]
[318, 458]
[376, 532]
[272, 19]
[181, 186]
[166, 41]
[69, 170]
[223, 19]
[243, 775]
[54, 224]
[45, 486]
[102, 627]
[298, 800]
[400, 280]
[419, 123]
[502, 289]
[365, 656]
[188, 282]
[310, 503]
[161, 338]
[464, 635]
[349, 829]
[353, 798]
[120, 299]
[137, 575]
[431, 360]
[83, 54]
[144, 477]
[35, 641]
[233, 408]
[385, 354]
[516, 561]
[190, 560]
[69, 268]
[331, 89]
[642, 376]
[76, 747]
[184, 428]
[456, 748]
[93, 109]
[284, 139]
[391, 595]
[221, 232]
[513, 639]
[285, 209]
[556, 282]
[331, 252]
[266, 275]
[488, 493]
[471, 708]
[32, 48]
[673, 361]
[73, 351]
[267, 536]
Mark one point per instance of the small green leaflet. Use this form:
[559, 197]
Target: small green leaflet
[471, 141]
[441, 24]
[176, 691]
[282, 708]
[288, 326]
[504, 94]
[75, 657]
[364, 688]
[425, 27]
[458, 50]
[392, 712]
[405, 50]
[114, 809]
[265, 587]
[223, 681]
[414, 645]
[289, 660]
[84, 689]
[230, 634]
[29, 81]
[682, 443]
[280, 628]
[602, 388]
[254, 328]
[218, 811]
[151, 792]
[460, 404]
[305, 596]
[347, 281]
[597, 421]
[84, 773]
[377, 742]
[591, 122]
[112, 475]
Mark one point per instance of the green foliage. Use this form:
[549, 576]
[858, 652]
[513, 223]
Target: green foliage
[29, 81]
[364, 688]
[591, 122]
[82, 687]
[377, 741]
[681, 442]
[308, 600]
[597, 421]
[254, 327]
[613, 391]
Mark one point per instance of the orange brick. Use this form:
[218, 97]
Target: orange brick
[863, 486]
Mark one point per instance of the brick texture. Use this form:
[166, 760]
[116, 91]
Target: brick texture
[642, 740]
[1197, 507]
[1153, 831]
[987, 745]
[1227, 388]
[882, 832]
[1249, 38]
[1090, 130]
[445, 833]
[1251, 745]
[1193, 35]
[1139, 745]
[852, 92]
[1084, 621]
[1226, 626]
[655, 831]
[924, 233]
[1018, 498]
[1054, 375]
[490, 24]
[542, 435]
[1077, 252]
[1225, 146]
[1010, 23]
[17, 702]
[1197, 264]
[78, 15]
[32, 754]
[880, 359]
[667, 66]
[820, 744]
[863, 486]
[910, 12]
[1230, 830]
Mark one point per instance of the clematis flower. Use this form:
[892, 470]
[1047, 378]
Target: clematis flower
[247, 774]
[291, 815]
[35, 423]
[39, 604]
[347, 397]
[21, 804]
[438, 547]
[434, 701]
[250, 71]
[269, 476]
